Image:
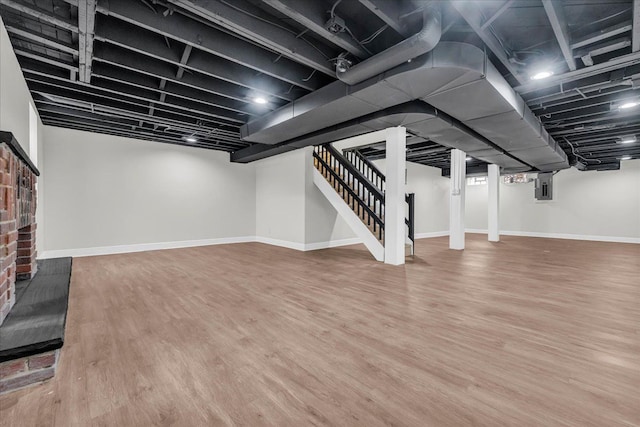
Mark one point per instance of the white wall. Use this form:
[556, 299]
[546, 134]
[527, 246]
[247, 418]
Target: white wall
[431, 198]
[280, 198]
[14, 94]
[290, 210]
[592, 205]
[105, 191]
[15, 100]
[324, 227]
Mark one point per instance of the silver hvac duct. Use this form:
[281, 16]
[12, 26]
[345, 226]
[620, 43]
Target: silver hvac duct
[455, 78]
[418, 44]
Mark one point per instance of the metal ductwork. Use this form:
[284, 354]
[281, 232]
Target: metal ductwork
[455, 78]
[419, 44]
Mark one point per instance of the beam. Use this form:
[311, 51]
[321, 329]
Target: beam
[251, 22]
[108, 111]
[206, 38]
[86, 28]
[389, 12]
[145, 134]
[46, 60]
[134, 39]
[95, 121]
[312, 15]
[587, 53]
[602, 35]
[498, 13]
[635, 45]
[611, 65]
[185, 58]
[40, 14]
[555, 13]
[472, 13]
[113, 66]
[186, 92]
[86, 93]
[43, 40]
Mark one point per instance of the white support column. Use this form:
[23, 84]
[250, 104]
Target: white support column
[457, 183]
[394, 227]
[493, 203]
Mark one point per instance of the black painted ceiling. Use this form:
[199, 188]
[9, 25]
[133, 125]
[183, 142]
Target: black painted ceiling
[188, 72]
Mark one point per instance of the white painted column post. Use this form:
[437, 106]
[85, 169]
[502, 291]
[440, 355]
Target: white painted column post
[493, 203]
[394, 227]
[457, 183]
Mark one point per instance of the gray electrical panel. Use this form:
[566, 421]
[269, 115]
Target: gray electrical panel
[544, 186]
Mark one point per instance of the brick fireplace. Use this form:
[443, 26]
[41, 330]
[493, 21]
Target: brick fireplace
[17, 219]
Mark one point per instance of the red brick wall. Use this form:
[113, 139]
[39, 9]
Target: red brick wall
[17, 209]
[19, 373]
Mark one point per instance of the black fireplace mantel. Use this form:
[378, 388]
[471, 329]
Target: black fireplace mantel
[12, 142]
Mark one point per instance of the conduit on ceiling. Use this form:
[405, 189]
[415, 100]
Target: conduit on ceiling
[454, 78]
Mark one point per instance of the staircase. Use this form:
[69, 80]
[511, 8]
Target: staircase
[356, 187]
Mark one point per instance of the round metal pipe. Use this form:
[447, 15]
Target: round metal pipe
[416, 45]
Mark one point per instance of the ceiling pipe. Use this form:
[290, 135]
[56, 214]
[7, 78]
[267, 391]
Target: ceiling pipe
[418, 44]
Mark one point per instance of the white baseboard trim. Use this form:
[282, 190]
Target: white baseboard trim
[431, 234]
[142, 247]
[282, 243]
[332, 244]
[614, 239]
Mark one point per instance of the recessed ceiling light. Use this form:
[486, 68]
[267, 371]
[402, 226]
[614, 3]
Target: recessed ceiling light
[628, 139]
[627, 105]
[259, 100]
[625, 158]
[191, 139]
[542, 75]
[468, 159]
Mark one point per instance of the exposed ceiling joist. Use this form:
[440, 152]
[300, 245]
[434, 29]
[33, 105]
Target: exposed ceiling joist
[130, 131]
[139, 100]
[241, 17]
[602, 35]
[555, 13]
[195, 34]
[161, 70]
[31, 10]
[611, 65]
[472, 13]
[195, 97]
[112, 99]
[43, 40]
[107, 110]
[185, 57]
[635, 46]
[588, 53]
[498, 13]
[119, 34]
[312, 15]
[389, 13]
[46, 60]
[86, 33]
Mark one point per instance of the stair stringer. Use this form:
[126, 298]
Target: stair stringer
[358, 227]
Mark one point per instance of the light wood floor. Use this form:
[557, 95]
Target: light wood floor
[526, 332]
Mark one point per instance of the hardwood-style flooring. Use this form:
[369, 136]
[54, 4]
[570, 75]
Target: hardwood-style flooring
[526, 332]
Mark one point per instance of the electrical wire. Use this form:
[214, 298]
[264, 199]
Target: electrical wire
[310, 75]
[369, 39]
[282, 27]
[356, 40]
[578, 155]
[333, 8]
